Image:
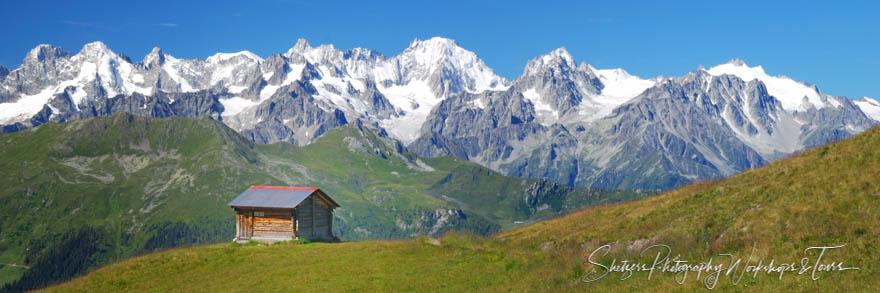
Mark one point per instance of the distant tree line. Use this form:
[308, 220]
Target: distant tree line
[174, 234]
[58, 258]
[74, 254]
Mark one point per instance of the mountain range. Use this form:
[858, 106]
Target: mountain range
[560, 120]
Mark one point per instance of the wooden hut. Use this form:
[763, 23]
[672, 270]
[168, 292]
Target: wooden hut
[275, 213]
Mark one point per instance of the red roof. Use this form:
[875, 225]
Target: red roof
[283, 187]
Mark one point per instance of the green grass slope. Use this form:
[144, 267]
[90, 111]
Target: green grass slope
[79, 195]
[826, 196]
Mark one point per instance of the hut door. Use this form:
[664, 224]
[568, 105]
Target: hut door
[245, 224]
[250, 224]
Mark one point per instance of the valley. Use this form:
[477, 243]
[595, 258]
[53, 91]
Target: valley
[824, 197]
[108, 188]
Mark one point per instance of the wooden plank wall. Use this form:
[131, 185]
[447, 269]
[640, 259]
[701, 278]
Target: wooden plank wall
[315, 219]
[244, 225]
[273, 223]
[322, 220]
[304, 216]
[275, 226]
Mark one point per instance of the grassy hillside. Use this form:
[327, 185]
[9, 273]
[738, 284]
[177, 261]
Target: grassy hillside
[82, 194]
[825, 196]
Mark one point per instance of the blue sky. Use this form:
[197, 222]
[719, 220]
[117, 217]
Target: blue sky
[834, 44]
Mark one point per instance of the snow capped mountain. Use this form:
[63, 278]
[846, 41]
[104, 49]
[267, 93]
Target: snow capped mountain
[115, 73]
[794, 95]
[563, 92]
[609, 129]
[870, 106]
[412, 82]
[557, 58]
[618, 88]
[559, 119]
[94, 71]
[558, 89]
[424, 74]
[225, 57]
[430, 60]
[398, 91]
[782, 123]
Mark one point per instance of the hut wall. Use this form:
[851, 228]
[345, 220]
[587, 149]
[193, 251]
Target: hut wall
[273, 224]
[315, 219]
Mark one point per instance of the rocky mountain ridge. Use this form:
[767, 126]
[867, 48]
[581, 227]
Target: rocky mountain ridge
[560, 120]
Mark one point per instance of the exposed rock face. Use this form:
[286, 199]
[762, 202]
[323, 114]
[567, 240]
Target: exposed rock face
[292, 117]
[571, 123]
[554, 80]
[697, 126]
[459, 126]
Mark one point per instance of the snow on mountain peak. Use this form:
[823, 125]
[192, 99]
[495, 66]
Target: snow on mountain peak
[326, 53]
[423, 74]
[36, 50]
[95, 63]
[302, 43]
[221, 57]
[114, 71]
[613, 74]
[155, 56]
[420, 61]
[321, 55]
[619, 87]
[155, 52]
[230, 69]
[425, 58]
[792, 94]
[433, 42]
[737, 62]
[96, 48]
[301, 46]
[619, 83]
[738, 68]
[870, 107]
[44, 51]
[96, 45]
[559, 53]
[436, 50]
[557, 57]
[362, 54]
